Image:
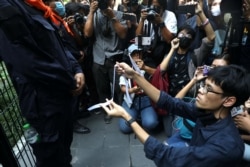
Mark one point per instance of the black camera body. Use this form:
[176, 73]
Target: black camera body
[152, 11]
[79, 18]
[130, 17]
[185, 9]
[103, 4]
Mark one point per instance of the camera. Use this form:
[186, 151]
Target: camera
[152, 11]
[79, 18]
[130, 17]
[103, 4]
[184, 9]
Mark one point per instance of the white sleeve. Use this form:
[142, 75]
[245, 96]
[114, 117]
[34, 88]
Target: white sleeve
[170, 21]
[122, 80]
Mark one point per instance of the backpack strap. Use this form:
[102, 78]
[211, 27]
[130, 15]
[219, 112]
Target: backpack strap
[188, 125]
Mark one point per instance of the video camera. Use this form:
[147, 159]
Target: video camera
[79, 18]
[152, 11]
[103, 4]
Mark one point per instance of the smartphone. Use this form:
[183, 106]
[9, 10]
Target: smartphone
[185, 9]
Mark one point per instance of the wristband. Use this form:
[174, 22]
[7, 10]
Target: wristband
[205, 22]
[129, 122]
[161, 25]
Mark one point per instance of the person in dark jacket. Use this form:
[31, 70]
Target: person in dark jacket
[215, 134]
[45, 75]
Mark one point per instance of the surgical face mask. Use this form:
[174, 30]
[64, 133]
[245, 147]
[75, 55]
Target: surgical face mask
[215, 10]
[60, 9]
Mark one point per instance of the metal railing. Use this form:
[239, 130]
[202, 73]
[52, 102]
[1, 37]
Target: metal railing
[14, 150]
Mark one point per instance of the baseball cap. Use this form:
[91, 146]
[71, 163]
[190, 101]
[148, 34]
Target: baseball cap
[132, 48]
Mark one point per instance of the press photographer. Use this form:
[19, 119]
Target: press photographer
[160, 25]
[81, 49]
[109, 28]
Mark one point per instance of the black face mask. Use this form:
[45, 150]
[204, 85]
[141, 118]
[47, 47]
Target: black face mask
[185, 42]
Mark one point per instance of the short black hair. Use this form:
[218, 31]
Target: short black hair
[188, 29]
[73, 7]
[226, 57]
[233, 80]
[163, 3]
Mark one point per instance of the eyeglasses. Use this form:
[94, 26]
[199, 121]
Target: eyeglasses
[180, 35]
[206, 89]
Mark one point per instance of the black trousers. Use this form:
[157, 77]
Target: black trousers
[103, 75]
[54, 123]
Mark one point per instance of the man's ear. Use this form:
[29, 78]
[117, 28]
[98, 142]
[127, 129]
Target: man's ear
[229, 102]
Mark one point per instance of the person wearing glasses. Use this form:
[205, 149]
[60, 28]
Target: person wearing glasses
[183, 128]
[216, 140]
[181, 62]
[184, 60]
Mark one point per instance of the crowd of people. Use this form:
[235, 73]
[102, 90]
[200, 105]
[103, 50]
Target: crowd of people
[143, 58]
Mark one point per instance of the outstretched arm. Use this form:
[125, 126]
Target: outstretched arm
[149, 89]
[116, 110]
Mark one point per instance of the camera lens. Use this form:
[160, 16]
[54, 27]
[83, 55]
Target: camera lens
[79, 19]
[151, 15]
[152, 11]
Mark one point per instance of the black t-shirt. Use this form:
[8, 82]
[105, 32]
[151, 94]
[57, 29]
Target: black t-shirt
[178, 73]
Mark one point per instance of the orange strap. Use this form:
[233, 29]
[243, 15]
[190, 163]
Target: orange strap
[49, 13]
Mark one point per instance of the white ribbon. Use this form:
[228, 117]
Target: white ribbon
[99, 105]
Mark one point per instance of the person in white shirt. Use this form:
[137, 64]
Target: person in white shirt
[160, 25]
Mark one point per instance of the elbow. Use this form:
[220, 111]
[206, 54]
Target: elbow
[169, 38]
[169, 41]
[211, 37]
[87, 34]
[123, 34]
[138, 31]
[138, 34]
